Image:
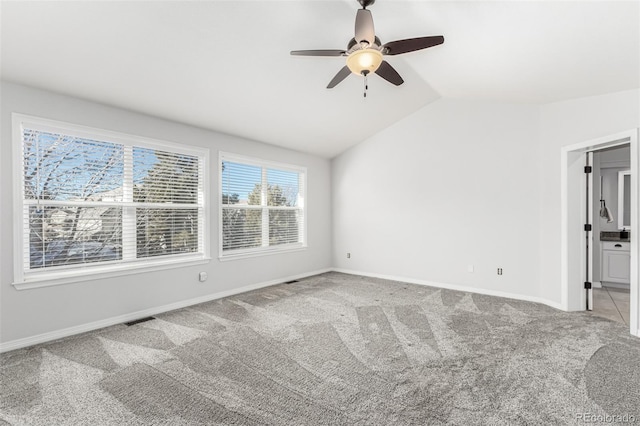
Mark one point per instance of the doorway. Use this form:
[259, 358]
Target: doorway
[610, 219]
[576, 268]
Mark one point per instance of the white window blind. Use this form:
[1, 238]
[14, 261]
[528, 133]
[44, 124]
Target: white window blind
[94, 201]
[262, 206]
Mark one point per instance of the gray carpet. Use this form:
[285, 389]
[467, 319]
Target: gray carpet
[333, 349]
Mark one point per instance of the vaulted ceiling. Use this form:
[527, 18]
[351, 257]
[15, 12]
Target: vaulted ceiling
[225, 65]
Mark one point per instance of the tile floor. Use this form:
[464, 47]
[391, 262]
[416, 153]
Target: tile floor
[611, 303]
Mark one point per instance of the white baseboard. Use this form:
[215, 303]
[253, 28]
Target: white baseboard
[455, 287]
[83, 328]
[616, 285]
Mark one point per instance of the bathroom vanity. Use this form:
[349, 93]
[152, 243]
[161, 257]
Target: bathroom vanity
[615, 258]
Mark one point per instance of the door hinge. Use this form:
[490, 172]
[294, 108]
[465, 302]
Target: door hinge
[587, 285]
[588, 169]
[587, 227]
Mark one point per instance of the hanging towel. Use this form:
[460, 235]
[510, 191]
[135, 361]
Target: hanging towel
[606, 213]
[604, 210]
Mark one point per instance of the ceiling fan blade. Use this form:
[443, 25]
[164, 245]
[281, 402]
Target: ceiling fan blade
[342, 74]
[320, 52]
[364, 27]
[386, 71]
[411, 44]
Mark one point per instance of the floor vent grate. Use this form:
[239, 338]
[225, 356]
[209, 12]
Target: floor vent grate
[138, 321]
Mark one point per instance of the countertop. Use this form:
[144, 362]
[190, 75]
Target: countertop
[614, 236]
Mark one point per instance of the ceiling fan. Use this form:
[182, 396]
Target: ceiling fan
[365, 51]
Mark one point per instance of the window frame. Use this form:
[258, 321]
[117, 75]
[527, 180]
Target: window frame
[24, 279]
[263, 250]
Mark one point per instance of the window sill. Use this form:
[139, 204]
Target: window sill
[258, 253]
[79, 275]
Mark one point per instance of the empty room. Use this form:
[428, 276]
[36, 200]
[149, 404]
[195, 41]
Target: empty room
[313, 212]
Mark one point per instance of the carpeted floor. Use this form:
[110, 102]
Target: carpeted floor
[333, 349]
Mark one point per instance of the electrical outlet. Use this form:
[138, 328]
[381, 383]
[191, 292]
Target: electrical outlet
[470, 268]
[203, 276]
[499, 271]
[348, 255]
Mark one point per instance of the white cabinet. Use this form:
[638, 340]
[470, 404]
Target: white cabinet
[616, 262]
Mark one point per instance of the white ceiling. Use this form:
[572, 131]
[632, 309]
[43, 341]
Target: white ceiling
[225, 65]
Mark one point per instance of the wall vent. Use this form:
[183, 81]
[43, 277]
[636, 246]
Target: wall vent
[138, 321]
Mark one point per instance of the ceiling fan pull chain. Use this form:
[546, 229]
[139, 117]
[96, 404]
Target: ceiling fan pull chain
[366, 85]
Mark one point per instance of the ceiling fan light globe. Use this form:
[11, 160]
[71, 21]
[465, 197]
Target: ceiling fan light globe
[364, 60]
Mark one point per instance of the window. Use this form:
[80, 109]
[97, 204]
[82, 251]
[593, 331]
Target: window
[91, 201]
[262, 206]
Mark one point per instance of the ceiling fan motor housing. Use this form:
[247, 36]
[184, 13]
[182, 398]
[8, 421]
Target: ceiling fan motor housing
[354, 45]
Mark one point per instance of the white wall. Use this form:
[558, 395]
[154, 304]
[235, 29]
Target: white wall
[562, 124]
[460, 183]
[454, 184]
[28, 313]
